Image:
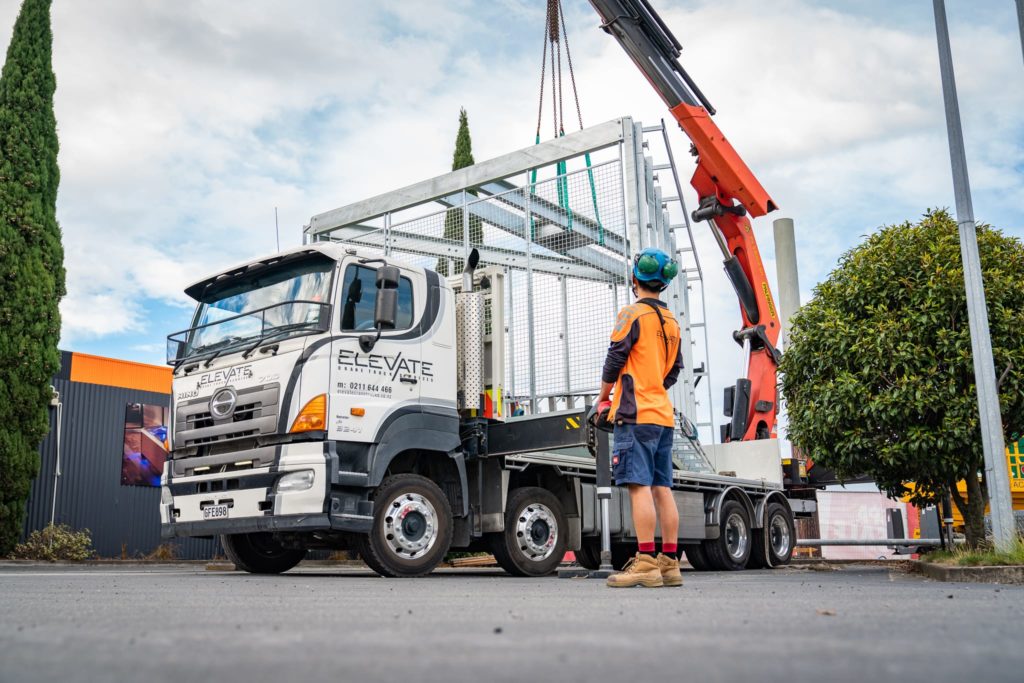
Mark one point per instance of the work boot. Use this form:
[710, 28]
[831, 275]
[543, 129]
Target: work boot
[670, 573]
[642, 570]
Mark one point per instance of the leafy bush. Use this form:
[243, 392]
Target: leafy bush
[58, 543]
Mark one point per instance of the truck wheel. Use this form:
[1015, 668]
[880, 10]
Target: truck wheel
[534, 540]
[589, 555]
[731, 550]
[696, 556]
[773, 545]
[412, 527]
[259, 553]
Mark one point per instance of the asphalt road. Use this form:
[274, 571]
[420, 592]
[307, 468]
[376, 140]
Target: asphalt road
[183, 623]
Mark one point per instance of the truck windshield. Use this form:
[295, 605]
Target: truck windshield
[276, 301]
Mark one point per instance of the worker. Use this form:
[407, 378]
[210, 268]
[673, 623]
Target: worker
[643, 362]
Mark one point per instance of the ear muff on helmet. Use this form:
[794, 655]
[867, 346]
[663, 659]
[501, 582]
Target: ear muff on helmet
[652, 266]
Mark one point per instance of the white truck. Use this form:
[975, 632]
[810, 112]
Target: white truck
[331, 398]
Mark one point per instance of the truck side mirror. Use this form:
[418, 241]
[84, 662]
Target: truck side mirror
[385, 310]
[385, 313]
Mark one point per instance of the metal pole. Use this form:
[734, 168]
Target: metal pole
[604, 496]
[56, 463]
[907, 542]
[786, 270]
[531, 354]
[564, 286]
[1020, 23]
[996, 475]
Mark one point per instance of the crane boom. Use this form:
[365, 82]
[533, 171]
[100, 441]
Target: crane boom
[727, 191]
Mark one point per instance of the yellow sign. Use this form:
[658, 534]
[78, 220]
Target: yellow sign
[768, 297]
[572, 423]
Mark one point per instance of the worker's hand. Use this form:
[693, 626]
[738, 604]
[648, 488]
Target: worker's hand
[603, 407]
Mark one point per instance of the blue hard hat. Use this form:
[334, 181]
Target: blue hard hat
[654, 265]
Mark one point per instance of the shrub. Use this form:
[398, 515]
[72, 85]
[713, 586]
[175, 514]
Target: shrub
[58, 543]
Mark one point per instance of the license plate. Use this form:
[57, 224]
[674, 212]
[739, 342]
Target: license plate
[215, 512]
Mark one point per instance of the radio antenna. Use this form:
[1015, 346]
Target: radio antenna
[277, 230]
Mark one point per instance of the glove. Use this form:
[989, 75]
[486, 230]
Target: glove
[603, 407]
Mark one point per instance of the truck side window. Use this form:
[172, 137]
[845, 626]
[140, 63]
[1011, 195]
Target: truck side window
[359, 296]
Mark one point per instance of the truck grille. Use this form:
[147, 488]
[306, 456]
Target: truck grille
[255, 414]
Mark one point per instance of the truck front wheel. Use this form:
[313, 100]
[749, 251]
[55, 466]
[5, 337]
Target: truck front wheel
[534, 540]
[412, 527]
[259, 553]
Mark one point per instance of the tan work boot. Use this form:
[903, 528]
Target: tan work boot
[642, 570]
[670, 573]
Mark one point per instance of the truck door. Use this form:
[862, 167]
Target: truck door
[367, 386]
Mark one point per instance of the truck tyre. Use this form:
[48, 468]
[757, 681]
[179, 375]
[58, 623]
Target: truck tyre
[259, 553]
[696, 556]
[773, 545]
[535, 536]
[412, 527]
[731, 550]
[589, 555]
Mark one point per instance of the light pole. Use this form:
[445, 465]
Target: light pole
[1020, 23]
[996, 474]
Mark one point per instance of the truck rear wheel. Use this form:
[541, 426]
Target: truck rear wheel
[259, 553]
[773, 545]
[534, 540]
[731, 550]
[412, 527]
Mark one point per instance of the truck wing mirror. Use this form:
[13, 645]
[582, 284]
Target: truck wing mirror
[385, 310]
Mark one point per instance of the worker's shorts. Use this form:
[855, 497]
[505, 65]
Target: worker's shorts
[642, 454]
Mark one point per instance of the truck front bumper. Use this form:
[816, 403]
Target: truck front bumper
[255, 505]
[248, 525]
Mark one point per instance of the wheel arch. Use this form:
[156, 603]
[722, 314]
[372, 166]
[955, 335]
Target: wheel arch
[424, 443]
[550, 479]
[757, 521]
[714, 510]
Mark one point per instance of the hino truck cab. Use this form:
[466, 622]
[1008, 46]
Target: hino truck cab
[302, 377]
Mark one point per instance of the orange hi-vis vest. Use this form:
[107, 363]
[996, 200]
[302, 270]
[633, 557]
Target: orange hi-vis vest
[644, 363]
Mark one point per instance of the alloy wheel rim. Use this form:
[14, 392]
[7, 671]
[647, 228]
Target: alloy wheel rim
[536, 532]
[410, 527]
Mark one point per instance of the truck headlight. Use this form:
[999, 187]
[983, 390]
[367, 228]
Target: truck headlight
[295, 481]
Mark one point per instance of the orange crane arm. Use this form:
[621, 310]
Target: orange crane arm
[727, 191]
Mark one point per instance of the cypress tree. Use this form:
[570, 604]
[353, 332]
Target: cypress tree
[31, 259]
[462, 158]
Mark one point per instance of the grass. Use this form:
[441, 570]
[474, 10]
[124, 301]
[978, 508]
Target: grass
[979, 557]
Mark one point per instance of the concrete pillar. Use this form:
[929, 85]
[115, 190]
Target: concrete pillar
[785, 266]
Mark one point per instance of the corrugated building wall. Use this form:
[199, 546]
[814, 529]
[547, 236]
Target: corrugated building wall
[124, 520]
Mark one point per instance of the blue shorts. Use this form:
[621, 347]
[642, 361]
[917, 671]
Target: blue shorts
[642, 454]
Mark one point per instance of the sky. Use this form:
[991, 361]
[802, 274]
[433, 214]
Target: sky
[183, 125]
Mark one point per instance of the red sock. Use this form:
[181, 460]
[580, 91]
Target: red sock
[647, 548]
[669, 549]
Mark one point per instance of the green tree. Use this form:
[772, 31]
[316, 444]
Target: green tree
[878, 373]
[453, 225]
[31, 259]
